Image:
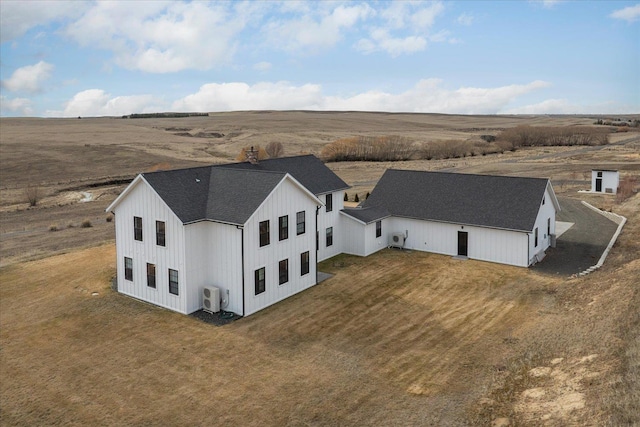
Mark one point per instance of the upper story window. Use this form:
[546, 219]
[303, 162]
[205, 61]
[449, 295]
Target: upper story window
[128, 268]
[160, 233]
[304, 263]
[300, 224]
[264, 233]
[329, 236]
[599, 174]
[260, 283]
[378, 229]
[151, 275]
[283, 227]
[329, 202]
[544, 199]
[137, 228]
[173, 282]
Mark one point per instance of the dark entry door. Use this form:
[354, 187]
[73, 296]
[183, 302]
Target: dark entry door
[462, 243]
[598, 185]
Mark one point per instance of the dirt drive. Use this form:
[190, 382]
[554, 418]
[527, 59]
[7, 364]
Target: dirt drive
[399, 338]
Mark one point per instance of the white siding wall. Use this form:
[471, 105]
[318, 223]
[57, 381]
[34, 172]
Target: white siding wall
[330, 219]
[610, 180]
[371, 242]
[287, 199]
[546, 213]
[353, 240]
[214, 258]
[486, 244]
[143, 202]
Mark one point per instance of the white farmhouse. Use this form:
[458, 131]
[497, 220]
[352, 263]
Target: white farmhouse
[256, 230]
[605, 181]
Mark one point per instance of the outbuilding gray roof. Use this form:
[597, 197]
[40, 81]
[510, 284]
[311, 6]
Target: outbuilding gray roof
[216, 194]
[504, 202]
[368, 214]
[308, 170]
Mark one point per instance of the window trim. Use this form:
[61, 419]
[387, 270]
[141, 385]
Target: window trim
[264, 238]
[128, 271]
[258, 281]
[175, 283]
[301, 226]
[535, 239]
[161, 236]
[328, 237]
[137, 231]
[328, 202]
[305, 263]
[378, 229]
[151, 283]
[283, 273]
[283, 229]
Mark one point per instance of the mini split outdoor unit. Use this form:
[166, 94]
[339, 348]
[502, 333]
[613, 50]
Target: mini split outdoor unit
[211, 299]
[396, 240]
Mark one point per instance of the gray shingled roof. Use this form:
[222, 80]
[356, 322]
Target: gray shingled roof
[367, 215]
[216, 194]
[308, 170]
[484, 200]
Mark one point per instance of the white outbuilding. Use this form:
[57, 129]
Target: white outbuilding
[605, 181]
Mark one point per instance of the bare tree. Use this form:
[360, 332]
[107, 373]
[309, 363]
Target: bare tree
[32, 194]
[274, 149]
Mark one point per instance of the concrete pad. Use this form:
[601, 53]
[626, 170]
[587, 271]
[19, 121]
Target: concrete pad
[562, 227]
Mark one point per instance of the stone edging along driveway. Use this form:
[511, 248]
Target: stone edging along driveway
[618, 219]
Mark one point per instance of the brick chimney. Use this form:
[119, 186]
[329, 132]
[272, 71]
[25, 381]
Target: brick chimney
[252, 156]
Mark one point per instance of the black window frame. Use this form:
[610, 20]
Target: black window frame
[301, 227]
[283, 271]
[263, 229]
[283, 227]
[329, 237]
[128, 271]
[260, 283]
[161, 233]
[174, 285]
[548, 226]
[535, 238]
[151, 277]
[304, 263]
[328, 202]
[137, 228]
[378, 229]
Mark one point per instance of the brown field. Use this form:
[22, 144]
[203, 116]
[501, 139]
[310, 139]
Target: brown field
[416, 339]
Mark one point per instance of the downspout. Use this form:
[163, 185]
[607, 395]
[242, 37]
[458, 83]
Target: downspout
[317, 241]
[242, 258]
[528, 250]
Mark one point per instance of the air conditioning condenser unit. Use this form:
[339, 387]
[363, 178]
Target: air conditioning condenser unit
[211, 299]
[396, 240]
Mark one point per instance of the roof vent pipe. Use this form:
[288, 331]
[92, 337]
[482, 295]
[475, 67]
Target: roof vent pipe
[252, 156]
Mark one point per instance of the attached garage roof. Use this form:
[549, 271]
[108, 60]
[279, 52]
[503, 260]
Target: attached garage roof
[504, 202]
[367, 215]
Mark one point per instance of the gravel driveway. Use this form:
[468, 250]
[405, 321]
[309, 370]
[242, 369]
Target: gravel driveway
[582, 245]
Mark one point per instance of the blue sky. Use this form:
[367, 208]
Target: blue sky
[75, 58]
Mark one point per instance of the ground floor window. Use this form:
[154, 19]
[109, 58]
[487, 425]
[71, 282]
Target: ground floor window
[283, 267]
[151, 275]
[329, 236]
[304, 263]
[378, 229]
[173, 282]
[535, 238]
[128, 268]
[260, 283]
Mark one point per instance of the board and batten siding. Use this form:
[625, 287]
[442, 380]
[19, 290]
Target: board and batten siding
[546, 213]
[330, 219]
[214, 258]
[485, 244]
[142, 201]
[360, 238]
[610, 181]
[286, 199]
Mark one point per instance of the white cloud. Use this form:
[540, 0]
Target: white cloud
[262, 66]
[96, 102]
[29, 78]
[465, 19]
[160, 37]
[317, 29]
[547, 4]
[18, 17]
[261, 96]
[21, 106]
[629, 14]
[563, 106]
[404, 29]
